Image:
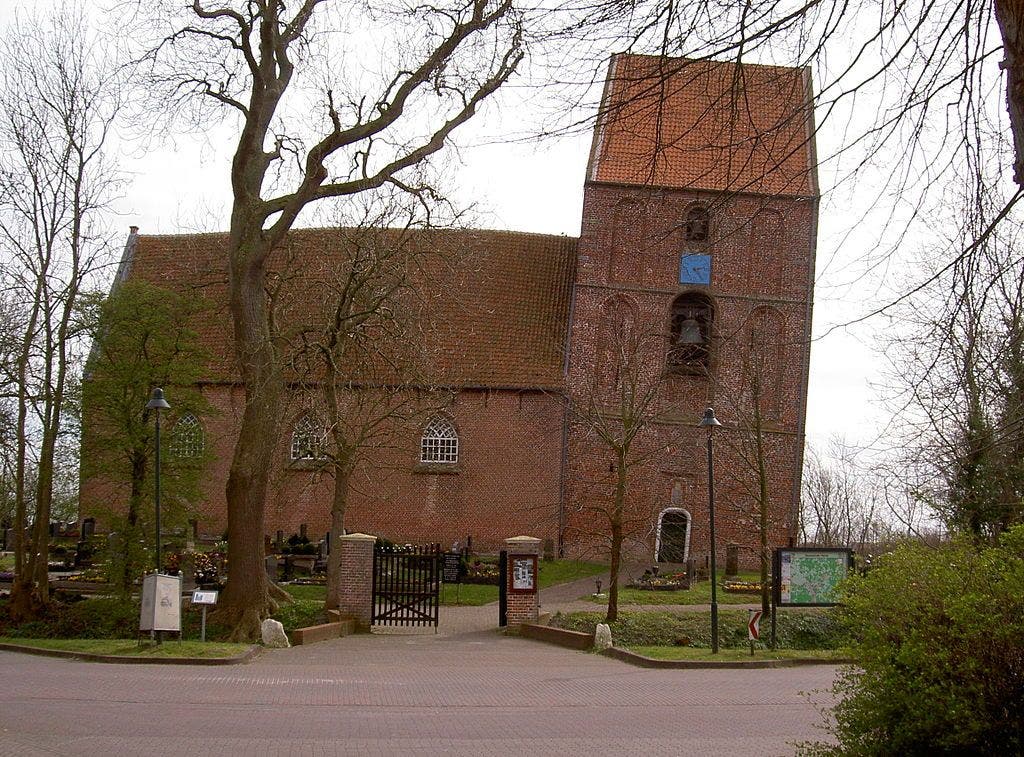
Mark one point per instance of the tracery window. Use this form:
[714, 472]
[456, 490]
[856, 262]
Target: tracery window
[440, 442]
[308, 439]
[187, 437]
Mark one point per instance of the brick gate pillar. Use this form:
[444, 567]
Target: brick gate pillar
[356, 597]
[521, 578]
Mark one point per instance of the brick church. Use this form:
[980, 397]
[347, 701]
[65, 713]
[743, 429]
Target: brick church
[689, 286]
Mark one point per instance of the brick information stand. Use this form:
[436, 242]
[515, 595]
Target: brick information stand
[356, 596]
[521, 580]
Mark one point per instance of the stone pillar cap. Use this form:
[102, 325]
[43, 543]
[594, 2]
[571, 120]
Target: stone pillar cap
[357, 537]
[522, 540]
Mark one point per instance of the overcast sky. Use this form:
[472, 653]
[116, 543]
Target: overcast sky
[181, 186]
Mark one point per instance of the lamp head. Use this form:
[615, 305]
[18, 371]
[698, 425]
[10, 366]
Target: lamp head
[157, 401]
[709, 421]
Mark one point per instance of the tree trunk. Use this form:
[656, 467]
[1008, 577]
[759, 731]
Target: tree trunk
[1010, 17]
[618, 507]
[249, 596]
[338, 505]
[134, 501]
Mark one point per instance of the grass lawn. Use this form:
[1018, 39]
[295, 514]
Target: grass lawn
[310, 593]
[564, 571]
[699, 594]
[131, 648]
[551, 574]
[735, 655]
[6, 562]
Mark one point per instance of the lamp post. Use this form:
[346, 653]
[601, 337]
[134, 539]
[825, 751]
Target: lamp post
[157, 403]
[710, 422]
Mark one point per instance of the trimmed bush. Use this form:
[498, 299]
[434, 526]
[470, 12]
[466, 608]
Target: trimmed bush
[795, 629]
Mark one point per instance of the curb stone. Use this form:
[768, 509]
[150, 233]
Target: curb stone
[246, 656]
[632, 658]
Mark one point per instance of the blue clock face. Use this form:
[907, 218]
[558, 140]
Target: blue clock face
[695, 269]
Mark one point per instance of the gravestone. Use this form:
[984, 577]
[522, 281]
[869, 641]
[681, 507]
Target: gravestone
[602, 637]
[732, 559]
[271, 567]
[188, 570]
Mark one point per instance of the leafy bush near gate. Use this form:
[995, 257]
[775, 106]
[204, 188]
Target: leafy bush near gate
[940, 662]
[798, 629]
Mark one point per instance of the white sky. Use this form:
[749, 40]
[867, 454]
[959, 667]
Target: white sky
[179, 187]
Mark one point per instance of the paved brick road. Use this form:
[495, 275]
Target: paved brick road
[465, 694]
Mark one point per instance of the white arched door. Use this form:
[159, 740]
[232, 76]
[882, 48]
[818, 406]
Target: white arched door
[672, 543]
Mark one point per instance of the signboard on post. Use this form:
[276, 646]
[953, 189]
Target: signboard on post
[161, 603]
[450, 567]
[809, 576]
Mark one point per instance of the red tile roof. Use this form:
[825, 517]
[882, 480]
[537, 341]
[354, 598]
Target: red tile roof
[492, 306]
[679, 123]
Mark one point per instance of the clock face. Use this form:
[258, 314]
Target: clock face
[695, 269]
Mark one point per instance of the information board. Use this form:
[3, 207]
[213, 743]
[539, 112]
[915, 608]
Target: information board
[809, 576]
[450, 567]
[200, 597]
[524, 573]
[161, 603]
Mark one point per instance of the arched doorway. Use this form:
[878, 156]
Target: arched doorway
[672, 543]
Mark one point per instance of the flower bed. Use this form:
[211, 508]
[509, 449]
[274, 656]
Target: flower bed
[667, 582]
[742, 587]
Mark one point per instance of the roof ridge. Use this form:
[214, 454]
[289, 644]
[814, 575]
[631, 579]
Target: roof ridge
[459, 230]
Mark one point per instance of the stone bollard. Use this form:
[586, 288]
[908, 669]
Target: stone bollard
[355, 599]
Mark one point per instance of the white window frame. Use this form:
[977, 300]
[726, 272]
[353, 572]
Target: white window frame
[188, 439]
[439, 444]
[307, 440]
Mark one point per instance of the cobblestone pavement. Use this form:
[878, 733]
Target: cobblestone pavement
[459, 693]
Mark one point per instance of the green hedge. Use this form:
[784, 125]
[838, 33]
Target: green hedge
[796, 629]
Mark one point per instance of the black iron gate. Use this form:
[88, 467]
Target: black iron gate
[406, 585]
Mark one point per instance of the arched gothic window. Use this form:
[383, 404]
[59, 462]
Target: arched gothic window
[690, 338]
[440, 442]
[307, 440]
[697, 225]
[187, 437]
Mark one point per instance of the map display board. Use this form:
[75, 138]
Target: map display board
[808, 576]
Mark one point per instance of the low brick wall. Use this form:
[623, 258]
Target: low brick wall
[322, 632]
[559, 636]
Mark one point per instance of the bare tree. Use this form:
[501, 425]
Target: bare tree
[55, 179]
[361, 355]
[956, 379]
[264, 64]
[619, 412]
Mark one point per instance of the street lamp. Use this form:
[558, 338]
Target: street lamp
[710, 422]
[157, 403]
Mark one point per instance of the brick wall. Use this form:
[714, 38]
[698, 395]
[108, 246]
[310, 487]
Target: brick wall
[507, 479]
[762, 267]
